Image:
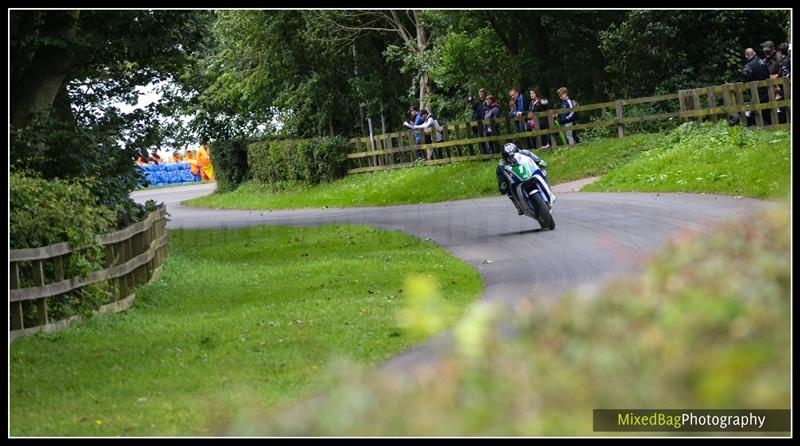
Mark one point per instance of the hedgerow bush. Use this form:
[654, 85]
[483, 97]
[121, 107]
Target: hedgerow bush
[229, 158]
[280, 163]
[44, 212]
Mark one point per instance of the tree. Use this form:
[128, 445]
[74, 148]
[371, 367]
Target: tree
[663, 51]
[69, 69]
[411, 32]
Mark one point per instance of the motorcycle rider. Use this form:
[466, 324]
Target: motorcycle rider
[513, 155]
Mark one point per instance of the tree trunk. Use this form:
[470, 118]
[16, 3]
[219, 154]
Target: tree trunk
[422, 45]
[361, 122]
[44, 77]
[383, 118]
[62, 105]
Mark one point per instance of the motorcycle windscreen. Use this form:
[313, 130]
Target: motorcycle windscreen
[522, 171]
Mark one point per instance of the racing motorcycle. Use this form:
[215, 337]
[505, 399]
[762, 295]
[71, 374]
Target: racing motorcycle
[530, 190]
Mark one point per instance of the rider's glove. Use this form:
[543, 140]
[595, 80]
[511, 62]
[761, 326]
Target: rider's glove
[542, 164]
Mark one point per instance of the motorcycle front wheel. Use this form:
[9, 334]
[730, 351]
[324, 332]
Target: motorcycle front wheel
[545, 218]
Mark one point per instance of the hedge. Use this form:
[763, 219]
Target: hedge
[280, 163]
[229, 158]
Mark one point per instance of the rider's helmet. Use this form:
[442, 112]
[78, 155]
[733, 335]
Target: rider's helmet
[509, 150]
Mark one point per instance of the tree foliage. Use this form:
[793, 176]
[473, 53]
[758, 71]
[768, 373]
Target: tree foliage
[324, 72]
[663, 51]
[70, 69]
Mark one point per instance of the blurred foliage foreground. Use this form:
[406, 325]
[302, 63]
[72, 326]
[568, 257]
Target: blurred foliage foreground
[706, 325]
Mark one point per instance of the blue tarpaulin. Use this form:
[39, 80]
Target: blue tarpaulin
[158, 174]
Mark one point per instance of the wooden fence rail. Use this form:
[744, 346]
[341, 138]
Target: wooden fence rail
[473, 141]
[132, 257]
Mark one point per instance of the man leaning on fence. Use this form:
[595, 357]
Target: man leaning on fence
[756, 70]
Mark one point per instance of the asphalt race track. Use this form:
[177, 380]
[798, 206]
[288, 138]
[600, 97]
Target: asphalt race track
[598, 236]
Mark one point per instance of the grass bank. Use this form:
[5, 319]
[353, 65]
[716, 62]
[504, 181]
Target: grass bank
[238, 317]
[711, 158]
[430, 184]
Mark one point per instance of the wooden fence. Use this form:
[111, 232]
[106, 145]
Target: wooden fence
[463, 141]
[132, 257]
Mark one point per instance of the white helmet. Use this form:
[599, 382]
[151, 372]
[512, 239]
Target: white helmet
[509, 150]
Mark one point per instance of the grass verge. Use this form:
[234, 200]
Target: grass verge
[711, 158]
[430, 184]
[238, 316]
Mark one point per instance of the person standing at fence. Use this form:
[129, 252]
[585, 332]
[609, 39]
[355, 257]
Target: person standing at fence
[429, 126]
[539, 104]
[782, 57]
[756, 70]
[492, 112]
[416, 119]
[517, 107]
[768, 49]
[568, 119]
[478, 110]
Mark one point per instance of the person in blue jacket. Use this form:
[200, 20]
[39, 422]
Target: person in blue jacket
[415, 120]
[518, 108]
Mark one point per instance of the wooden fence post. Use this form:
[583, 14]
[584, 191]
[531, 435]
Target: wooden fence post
[457, 132]
[773, 112]
[726, 100]
[58, 268]
[400, 147]
[620, 115]
[712, 102]
[787, 95]
[740, 103]
[756, 99]
[551, 126]
[38, 280]
[696, 105]
[682, 102]
[16, 307]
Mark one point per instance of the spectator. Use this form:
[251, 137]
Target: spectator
[176, 157]
[516, 107]
[154, 158]
[492, 112]
[567, 119]
[140, 158]
[429, 125]
[769, 52]
[539, 104]
[774, 70]
[416, 119]
[781, 111]
[782, 56]
[204, 162]
[478, 111]
[193, 166]
[756, 70]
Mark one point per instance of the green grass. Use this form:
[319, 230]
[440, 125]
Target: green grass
[708, 158]
[238, 317]
[430, 184]
[706, 325]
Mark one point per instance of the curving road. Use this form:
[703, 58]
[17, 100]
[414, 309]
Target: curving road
[598, 236]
